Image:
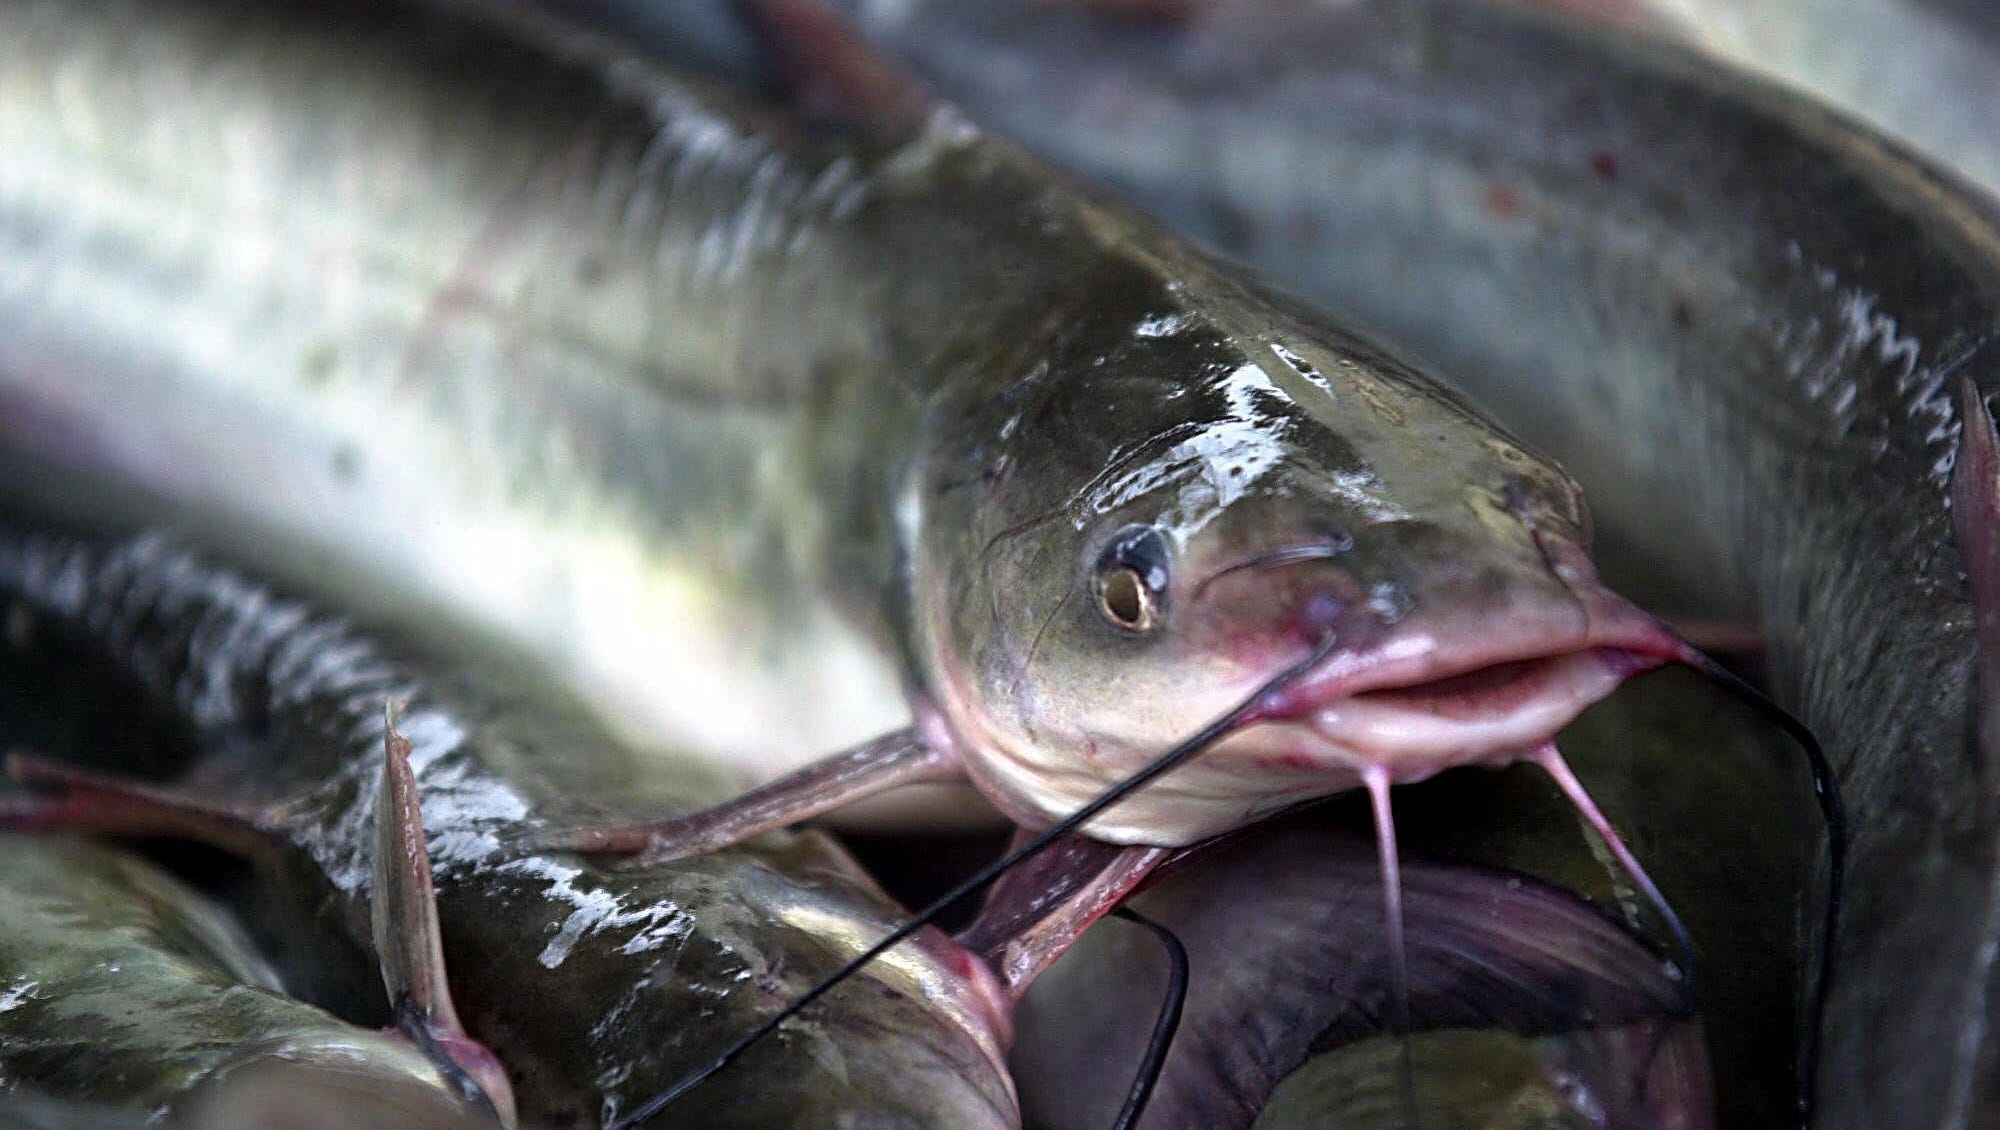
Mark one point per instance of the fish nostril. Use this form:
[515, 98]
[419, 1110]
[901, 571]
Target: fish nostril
[1390, 601]
[1321, 611]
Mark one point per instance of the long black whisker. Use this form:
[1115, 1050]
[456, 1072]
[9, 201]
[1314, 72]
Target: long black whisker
[1169, 1021]
[1166, 762]
[1834, 814]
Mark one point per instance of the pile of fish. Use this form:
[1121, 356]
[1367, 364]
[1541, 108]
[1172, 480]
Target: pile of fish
[478, 476]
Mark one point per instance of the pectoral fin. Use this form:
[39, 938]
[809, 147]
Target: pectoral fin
[106, 805]
[888, 762]
[1975, 521]
[1035, 912]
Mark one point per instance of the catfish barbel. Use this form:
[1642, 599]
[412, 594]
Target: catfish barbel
[1737, 317]
[1286, 963]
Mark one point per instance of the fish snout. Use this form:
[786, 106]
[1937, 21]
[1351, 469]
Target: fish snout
[1283, 605]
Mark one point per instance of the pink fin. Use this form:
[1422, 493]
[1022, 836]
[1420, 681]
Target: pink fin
[888, 762]
[1975, 523]
[410, 946]
[1975, 516]
[1039, 909]
[1288, 957]
[101, 804]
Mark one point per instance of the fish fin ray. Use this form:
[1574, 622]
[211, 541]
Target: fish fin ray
[104, 804]
[410, 945]
[1035, 912]
[888, 762]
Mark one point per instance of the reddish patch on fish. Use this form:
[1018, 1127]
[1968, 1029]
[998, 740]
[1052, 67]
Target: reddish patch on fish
[1292, 762]
[1503, 201]
[1604, 165]
[1636, 14]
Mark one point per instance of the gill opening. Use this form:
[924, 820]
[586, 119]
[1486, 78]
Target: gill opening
[1247, 710]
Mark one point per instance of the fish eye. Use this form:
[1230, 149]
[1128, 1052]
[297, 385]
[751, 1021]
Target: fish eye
[1130, 579]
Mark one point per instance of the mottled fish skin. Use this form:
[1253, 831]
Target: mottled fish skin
[1734, 315]
[595, 988]
[123, 989]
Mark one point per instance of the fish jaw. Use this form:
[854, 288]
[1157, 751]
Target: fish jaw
[1488, 716]
[1458, 690]
[1409, 699]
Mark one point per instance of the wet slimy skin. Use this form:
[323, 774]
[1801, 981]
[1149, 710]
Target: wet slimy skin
[592, 987]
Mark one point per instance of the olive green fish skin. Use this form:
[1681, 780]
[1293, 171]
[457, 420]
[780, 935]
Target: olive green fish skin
[121, 987]
[596, 988]
[1733, 315]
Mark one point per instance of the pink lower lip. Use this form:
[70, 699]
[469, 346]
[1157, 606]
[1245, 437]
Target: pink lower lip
[1488, 714]
[1480, 673]
[1490, 689]
[1498, 688]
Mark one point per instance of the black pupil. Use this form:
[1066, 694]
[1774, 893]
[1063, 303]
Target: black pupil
[1133, 574]
[1124, 597]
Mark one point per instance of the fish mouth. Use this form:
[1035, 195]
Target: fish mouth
[1410, 707]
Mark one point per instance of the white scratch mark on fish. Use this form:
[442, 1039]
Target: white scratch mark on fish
[676, 930]
[596, 911]
[21, 993]
[1219, 462]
